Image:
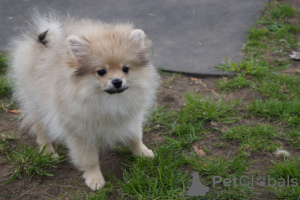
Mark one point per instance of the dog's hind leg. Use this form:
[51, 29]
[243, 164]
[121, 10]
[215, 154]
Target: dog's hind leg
[43, 140]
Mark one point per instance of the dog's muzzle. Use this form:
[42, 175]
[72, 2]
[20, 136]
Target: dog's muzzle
[116, 90]
[117, 86]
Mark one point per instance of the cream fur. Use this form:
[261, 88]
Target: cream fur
[60, 107]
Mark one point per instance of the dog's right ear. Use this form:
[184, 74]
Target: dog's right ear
[77, 47]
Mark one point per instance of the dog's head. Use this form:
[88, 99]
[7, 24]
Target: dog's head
[106, 57]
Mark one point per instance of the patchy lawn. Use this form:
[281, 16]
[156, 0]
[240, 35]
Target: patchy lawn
[228, 127]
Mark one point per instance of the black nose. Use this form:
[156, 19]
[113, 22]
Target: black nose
[117, 83]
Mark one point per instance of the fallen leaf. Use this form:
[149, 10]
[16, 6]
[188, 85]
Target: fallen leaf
[196, 80]
[214, 123]
[284, 90]
[198, 151]
[225, 128]
[200, 82]
[283, 41]
[15, 111]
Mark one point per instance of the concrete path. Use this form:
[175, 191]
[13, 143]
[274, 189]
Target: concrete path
[190, 36]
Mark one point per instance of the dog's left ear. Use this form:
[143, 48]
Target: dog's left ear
[138, 36]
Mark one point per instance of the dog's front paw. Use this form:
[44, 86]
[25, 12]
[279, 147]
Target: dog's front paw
[147, 153]
[139, 149]
[94, 182]
[55, 155]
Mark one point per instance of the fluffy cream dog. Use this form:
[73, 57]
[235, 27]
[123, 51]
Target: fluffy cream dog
[85, 83]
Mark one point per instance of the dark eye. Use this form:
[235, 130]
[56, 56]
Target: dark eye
[125, 69]
[101, 72]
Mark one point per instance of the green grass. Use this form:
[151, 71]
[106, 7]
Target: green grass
[282, 11]
[5, 137]
[293, 136]
[5, 87]
[274, 32]
[239, 81]
[279, 86]
[31, 161]
[10, 104]
[287, 167]
[225, 167]
[160, 119]
[252, 66]
[280, 170]
[256, 138]
[184, 140]
[291, 193]
[274, 109]
[256, 46]
[3, 63]
[221, 166]
[4, 146]
[157, 178]
[258, 33]
[232, 192]
[184, 127]
[103, 193]
[199, 109]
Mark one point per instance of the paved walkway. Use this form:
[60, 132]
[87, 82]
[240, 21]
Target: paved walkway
[190, 36]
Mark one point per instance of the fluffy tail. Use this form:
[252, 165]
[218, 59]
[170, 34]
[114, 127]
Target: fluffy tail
[47, 28]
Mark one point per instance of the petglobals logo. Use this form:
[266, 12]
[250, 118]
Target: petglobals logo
[246, 181]
[199, 189]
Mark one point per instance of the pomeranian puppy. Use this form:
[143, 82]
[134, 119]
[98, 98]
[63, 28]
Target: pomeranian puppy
[85, 83]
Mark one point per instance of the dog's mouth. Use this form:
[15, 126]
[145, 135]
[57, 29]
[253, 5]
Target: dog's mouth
[116, 91]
